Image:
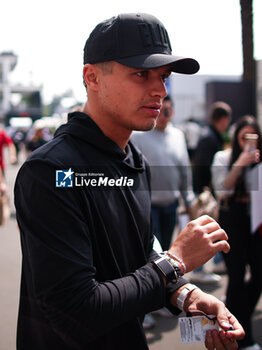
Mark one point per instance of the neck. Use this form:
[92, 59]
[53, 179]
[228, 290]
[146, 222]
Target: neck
[112, 130]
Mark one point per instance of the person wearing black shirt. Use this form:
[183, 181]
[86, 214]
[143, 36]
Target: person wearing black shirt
[210, 143]
[89, 271]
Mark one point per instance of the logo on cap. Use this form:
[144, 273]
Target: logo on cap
[154, 35]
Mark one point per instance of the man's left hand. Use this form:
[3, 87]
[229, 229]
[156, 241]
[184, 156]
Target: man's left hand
[220, 340]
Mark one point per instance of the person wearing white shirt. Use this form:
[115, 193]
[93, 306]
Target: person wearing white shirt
[166, 151]
[231, 181]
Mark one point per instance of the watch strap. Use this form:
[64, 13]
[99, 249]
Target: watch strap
[165, 268]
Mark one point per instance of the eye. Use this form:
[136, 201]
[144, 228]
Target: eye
[142, 74]
[165, 77]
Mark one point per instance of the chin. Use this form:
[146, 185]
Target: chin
[146, 127]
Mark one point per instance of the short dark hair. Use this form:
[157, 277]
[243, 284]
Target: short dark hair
[106, 68]
[219, 110]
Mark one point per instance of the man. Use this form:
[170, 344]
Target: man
[89, 271]
[209, 144]
[165, 149]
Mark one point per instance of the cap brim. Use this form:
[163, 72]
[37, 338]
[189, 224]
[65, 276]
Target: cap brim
[178, 64]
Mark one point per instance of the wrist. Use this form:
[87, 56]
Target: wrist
[181, 263]
[237, 166]
[168, 268]
[183, 298]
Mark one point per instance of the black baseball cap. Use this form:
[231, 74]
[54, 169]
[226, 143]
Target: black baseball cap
[136, 40]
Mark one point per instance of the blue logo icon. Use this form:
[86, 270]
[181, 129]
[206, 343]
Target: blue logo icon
[64, 178]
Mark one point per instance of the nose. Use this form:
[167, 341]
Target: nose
[158, 88]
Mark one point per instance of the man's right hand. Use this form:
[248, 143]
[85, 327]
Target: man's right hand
[199, 241]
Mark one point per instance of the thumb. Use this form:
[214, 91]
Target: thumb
[222, 318]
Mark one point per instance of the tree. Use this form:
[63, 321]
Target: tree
[249, 66]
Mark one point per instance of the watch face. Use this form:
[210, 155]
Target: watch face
[168, 267]
[165, 268]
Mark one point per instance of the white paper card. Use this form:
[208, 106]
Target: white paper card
[193, 329]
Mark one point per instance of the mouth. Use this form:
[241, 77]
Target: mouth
[153, 108]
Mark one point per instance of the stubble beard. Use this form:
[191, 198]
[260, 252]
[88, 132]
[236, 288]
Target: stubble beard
[148, 127]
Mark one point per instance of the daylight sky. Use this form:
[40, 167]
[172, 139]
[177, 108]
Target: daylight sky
[49, 35]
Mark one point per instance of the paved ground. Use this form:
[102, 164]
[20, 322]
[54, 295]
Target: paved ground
[164, 336]
[10, 265]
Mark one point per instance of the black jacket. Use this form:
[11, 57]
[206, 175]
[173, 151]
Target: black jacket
[208, 145]
[87, 279]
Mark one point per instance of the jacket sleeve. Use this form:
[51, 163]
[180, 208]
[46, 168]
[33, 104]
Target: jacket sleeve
[58, 257]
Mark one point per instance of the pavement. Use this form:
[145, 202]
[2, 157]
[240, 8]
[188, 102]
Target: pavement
[165, 335]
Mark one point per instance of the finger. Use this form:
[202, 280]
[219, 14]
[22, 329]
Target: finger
[217, 341]
[257, 155]
[204, 219]
[238, 332]
[211, 227]
[222, 246]
[209, 344]
[219, 235]
[226, 319]
[230, 344]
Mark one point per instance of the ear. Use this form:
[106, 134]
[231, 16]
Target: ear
[90, 75]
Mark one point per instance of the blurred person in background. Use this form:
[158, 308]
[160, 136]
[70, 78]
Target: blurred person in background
[37, 137]
[192, 131]
[6, 141]
[165, 150]
[2, 184]
[231, 181]
[18, 137]
[210, 143]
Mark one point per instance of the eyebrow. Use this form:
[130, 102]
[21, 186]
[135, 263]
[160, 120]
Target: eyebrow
[169, 71]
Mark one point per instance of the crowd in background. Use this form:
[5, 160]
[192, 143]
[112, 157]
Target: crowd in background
[218, 156]
[183, 159]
